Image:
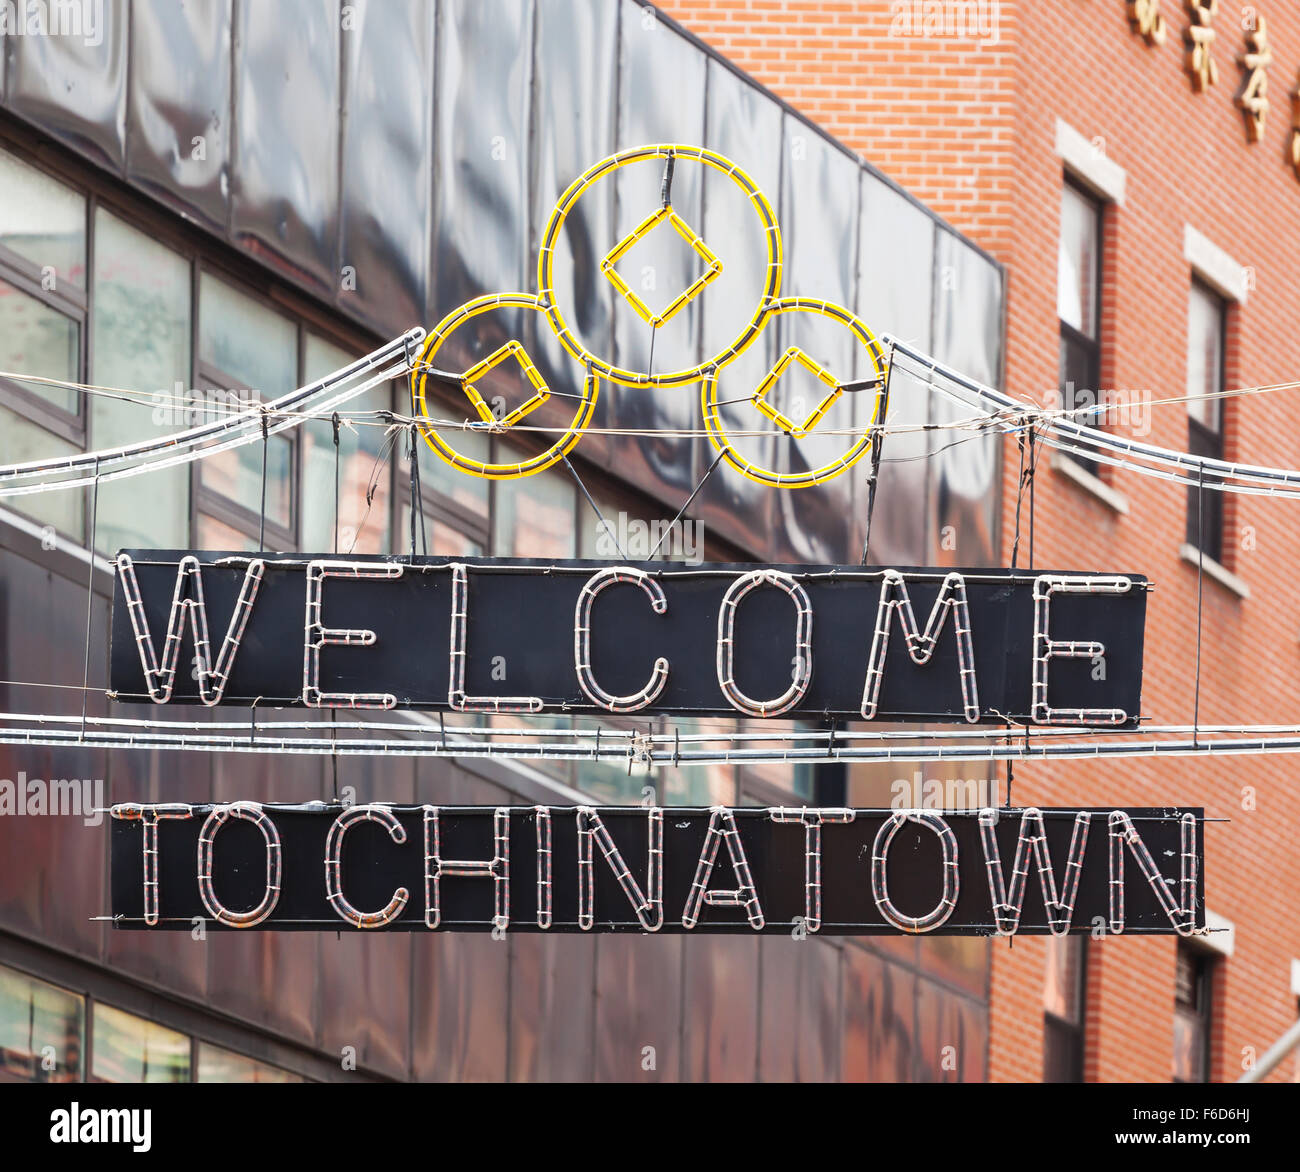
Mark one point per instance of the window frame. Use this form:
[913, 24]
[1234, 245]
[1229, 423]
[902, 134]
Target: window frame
[1091, 345]
[1206, 504]
[1205, 983]
[73, 303]
[1061, 1029]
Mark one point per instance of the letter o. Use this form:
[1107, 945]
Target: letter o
[736, 592]
[880, 863]
[245, 812]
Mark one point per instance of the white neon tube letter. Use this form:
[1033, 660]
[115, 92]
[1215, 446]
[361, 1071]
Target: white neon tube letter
[496, 868]
[160, 675]
[802, 674]
[648, 904]
[812, 851]
[947, 904]
[722, 828]
[894, 598]
[1032, 841]
[459, 634]
[612, 576]
[334, 866]
[247, 812]
[150, 816]
[319, 636]
[1046, 648]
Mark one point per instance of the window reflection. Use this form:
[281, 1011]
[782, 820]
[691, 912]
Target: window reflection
[42, 1029]
[127, 1048]
[141, 331]
[363, 515]
[38, 340]
[219, 1065]
[43, 221]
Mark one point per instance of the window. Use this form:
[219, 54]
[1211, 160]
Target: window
[535, 517]
[1206, 328]
[1192, 1004]
[248, 354]
[455, 521]
[42, 323]
[219, 1065]
[126, 1048]
[140, 321]
[1063, 1010]
[362, 472]
[1078, 298]
[42, 1030]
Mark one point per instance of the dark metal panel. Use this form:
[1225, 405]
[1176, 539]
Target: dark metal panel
[819, 219]
[720, 1009]
[638, 1008]
[178, 137]
[74, 85]
[552, 1008]
[879, 1019]
[461, 1008]
[483, 76]
[52, 877]
[268, 977]
[573, 127]
[284, 162]
[660, 99]
[799, 1024]
[952, 1037]
[895, 269]
[744, 125]
[387, 173]
[968, 336]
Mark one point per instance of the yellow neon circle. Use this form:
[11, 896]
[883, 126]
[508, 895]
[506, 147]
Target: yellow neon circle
[546, 263]
[713, 419]
[512, 349]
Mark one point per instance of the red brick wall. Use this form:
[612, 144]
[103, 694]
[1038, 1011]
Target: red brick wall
[970, 128]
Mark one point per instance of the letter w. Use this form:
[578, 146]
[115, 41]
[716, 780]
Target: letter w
[921, 645]
[1007, 905]
[160, 676]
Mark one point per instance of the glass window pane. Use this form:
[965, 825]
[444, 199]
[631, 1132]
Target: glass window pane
[1205, 357]
[42, 1029]
[1063, 987]
[444, 540]
[43, 221]
[242, 337]
[534, 516]
[218, 1065]
[237, 476]
[22, 440]
[209, 533]
[141, 331]
[127, 1048]
[35, 339]
[466, 490]
[363, 458]
[1076, 286]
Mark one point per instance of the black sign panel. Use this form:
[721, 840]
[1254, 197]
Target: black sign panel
[532, 869]
[530, 636]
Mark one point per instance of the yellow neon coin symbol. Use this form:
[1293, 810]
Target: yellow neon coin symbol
[717, 432]
[512, 349]
[546, 264]
[713, 266]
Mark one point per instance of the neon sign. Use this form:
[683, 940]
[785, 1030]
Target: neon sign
[610, 869]
[512, 636]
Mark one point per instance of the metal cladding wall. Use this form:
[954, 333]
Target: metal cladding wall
[421, 146]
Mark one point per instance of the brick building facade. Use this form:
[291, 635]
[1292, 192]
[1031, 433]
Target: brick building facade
[1039, 129]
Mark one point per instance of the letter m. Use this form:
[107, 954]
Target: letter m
[187, 600]
[921, 645]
